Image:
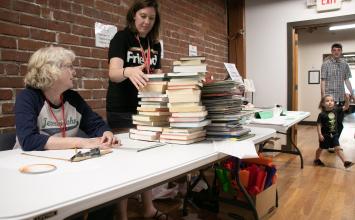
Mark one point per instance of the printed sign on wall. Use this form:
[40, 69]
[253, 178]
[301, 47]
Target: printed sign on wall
[328, 5]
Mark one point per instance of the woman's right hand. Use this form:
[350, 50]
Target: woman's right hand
[136, 75]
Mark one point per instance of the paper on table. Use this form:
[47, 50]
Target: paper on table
[240, 149]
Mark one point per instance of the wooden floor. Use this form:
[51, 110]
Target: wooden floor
[309, 193]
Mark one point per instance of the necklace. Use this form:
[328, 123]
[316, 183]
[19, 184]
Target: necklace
[62, 126]
[146, 58]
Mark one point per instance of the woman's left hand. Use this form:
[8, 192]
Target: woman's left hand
[109, 140]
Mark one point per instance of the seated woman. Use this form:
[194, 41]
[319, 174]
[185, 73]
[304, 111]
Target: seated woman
[49, 114]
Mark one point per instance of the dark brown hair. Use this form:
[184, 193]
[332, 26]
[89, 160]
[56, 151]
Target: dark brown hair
[337, 45]
[153, 34]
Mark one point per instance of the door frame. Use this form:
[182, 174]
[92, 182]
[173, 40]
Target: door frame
[291, 27]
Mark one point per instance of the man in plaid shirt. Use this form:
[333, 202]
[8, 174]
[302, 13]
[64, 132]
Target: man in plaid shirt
[336, 72]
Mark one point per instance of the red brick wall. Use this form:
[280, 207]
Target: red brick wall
[28, 25]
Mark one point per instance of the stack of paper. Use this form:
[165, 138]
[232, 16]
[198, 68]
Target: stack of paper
[223, 104]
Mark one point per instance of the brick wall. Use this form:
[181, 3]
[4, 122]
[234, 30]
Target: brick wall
[28, 25]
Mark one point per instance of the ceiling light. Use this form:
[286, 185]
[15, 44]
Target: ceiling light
[341, 27]
[349, 55]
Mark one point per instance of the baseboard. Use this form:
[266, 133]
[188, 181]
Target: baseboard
[307, 123]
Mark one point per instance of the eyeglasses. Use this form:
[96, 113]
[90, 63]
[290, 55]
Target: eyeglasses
[68, 66]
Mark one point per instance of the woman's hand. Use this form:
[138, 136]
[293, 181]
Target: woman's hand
[108, 139]
[136, 75]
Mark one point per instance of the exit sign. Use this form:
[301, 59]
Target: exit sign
[328, 5]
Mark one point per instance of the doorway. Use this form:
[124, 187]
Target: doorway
[292, 53]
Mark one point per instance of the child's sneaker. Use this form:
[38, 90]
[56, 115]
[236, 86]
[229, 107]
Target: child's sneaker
[348, 164]
[318, 162]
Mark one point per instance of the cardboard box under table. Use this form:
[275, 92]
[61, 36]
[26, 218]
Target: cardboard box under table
[265, 203]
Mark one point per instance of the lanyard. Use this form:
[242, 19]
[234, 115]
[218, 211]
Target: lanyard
[146, 59]
[62, 126]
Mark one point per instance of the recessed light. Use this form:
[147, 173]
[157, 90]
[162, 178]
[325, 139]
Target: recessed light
[341, 27]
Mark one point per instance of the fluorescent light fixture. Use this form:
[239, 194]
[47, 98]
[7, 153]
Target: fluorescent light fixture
[341, 27]
[349, 55]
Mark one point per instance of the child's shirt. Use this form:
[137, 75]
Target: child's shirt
[328, 121]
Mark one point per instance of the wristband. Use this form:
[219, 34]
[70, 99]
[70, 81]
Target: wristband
[123, 73]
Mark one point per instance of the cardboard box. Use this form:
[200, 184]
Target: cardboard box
[265, 203]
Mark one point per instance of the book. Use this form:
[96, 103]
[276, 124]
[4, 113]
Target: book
[237, 133]
[190, 124]
[143, 137]
[142, 132]
[156, 76]
[151, 123]
[180, 136]
[181, 130]
[153, 104]
[194, 92]
[202, 58]
[149, 128]
[152, 87]
[184, 104]
[187, 109]
[184, 98]
[182, 141]
[148, 118]
[170, 84]
[152, 109]
[192, 86]
[191, 119]
[180, 74]
[189, 114]
[155, 99]
[190, 68]
[186, 62]
[154, 113]
[151, 95]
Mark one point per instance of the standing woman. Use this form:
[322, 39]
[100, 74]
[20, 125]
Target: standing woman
[133, 53]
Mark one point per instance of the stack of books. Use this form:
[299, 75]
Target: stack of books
[188, 115]
[224, 105]
[153, 113]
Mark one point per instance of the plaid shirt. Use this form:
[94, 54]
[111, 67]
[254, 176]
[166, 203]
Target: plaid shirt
[334, 73]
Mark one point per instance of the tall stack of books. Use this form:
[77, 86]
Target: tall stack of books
[153, 113]
[188, 115]
[224, 105]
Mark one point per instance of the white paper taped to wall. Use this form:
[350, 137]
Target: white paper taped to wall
[103, 34]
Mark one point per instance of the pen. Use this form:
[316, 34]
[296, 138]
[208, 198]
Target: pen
[151, 147]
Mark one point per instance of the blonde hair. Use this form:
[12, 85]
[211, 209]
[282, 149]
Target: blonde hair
[44, 66]
[321, 106]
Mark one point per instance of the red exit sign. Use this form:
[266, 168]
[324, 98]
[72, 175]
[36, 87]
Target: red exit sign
[328, 5]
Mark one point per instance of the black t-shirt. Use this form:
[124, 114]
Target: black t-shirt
[122, 97]
[328, 121]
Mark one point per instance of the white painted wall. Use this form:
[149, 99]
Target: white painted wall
[266, 43]
[312, 46]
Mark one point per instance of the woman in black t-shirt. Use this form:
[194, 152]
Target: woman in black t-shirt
[133, 52]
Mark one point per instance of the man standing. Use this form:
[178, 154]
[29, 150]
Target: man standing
[336, 72]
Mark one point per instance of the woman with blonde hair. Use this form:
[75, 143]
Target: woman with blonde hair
[49, 114]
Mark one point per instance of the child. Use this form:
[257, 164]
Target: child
[327, 129]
